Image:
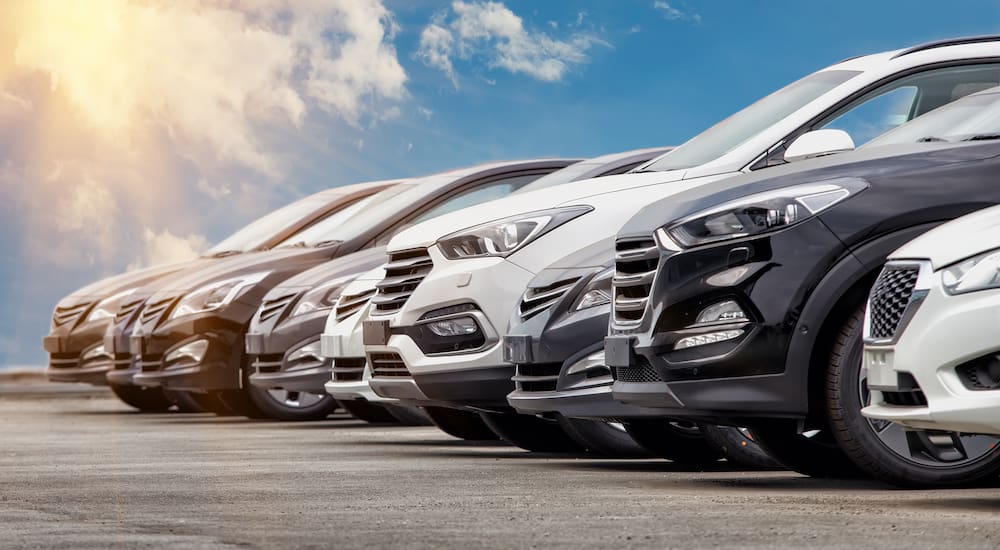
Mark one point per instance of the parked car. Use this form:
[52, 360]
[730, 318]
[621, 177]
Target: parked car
[452, 282]
[190, 334]
[743, 302]
[76, 344]
[284, 337]
[931, 350]
[343, 353]
[555, 339]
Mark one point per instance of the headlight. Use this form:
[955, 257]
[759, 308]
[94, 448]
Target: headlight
[977, 273]
[217, 294]
[504, 237]
[597, 292]
[108, 307]
[323, 296]
[760, 213]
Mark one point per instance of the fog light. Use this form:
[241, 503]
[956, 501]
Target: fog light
[95, 352]
[592, 361]
[195, 351]
[312, 351]
[593, 298]
[710, 338]
[459, 326]
[727, 311]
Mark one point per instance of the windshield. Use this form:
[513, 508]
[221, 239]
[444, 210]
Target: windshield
[970, 116]
[559, 177]
[329, 229]
[259, 232]
[738, 128]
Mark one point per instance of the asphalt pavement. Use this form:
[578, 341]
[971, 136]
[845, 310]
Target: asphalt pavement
[86, 472]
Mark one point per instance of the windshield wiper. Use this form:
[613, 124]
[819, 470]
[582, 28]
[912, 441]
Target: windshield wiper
[930, 139]
[982, 137]
[324, 244]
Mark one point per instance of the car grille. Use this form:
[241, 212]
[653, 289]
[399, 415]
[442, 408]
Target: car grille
[151, 362]
[388, 365]
[271, 308]
[349, 304]
[980, 374]
[128, 309]
[537, 300]
[635, 267]
[889, 299]
[913, 398]
[642, 372]
[66, 315]
[403, 273]
[349, 369]
[154, 310]
[535, 377]
[268, 362]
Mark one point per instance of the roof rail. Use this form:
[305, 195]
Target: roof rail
[948, 42]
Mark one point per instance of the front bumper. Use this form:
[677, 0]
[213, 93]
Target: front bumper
[274, 360]
[943, 336]
[735, 380]
[78, 355]
[476, 377]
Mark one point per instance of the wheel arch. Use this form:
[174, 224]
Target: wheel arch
[844, 288]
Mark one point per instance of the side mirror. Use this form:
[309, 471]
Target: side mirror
[818, 143]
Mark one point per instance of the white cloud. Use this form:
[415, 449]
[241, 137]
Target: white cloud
[634, 29]
[490, 30]
[673, 13]
[207, 72]
[435, 50]
[425, 112]
[164, 247]
[217, 192]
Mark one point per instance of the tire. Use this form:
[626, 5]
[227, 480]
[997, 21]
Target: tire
[530, 433]
[291, 406]
[678, 442]
[239, 402]
[461, 424]
[602, 438]
[144, 399]
[187, 402]
[407, 415]
[907, 458]
[738, 447]
[814, 454]
[369, 412]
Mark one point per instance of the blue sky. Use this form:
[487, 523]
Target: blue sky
[128, 144]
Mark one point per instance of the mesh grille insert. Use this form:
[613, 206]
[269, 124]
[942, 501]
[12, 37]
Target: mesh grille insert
[889, 299]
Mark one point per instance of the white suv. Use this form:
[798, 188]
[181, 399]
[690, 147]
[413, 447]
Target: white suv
[452, 282]
[941, 368]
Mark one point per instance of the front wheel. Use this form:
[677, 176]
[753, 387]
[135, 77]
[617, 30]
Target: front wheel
[461, 424]
[408, 415]
[292, 406]
[887, 451]
[372, 413]
[602, 438]
[677, 441]
[144, 399]
[530, 433]
[738, 447]
[814, 453]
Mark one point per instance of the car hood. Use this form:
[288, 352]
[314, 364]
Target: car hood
[865, 163]
[132, 279]
[427, 233]
[353, 264]
[956, 240]
[280, 260]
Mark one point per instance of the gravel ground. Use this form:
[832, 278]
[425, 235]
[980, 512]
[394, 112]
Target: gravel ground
[78, 472]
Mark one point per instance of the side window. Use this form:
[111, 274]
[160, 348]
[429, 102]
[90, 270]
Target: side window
[898, 102]
[493, 190]
[877, 115]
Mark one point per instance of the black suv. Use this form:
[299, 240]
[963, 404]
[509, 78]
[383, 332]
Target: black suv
[742, 302]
